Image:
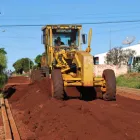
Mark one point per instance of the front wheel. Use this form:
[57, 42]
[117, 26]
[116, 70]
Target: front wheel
[110, 80]
[57, 84]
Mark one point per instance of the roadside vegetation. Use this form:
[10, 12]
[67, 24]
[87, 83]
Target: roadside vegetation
[3, 66]
[23, 65]
[118, 56]
[130, 80]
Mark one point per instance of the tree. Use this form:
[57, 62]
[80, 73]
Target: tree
[3, 59]
[3, 66]
[23, 64]
[136, 67]
[38, 60]
[2, 51]
[18, 66]
[118, 56]
[3, 62]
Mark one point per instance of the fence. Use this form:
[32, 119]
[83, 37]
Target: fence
[98, 69]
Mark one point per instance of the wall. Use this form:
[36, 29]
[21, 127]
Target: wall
[101, 58]
[98, 69]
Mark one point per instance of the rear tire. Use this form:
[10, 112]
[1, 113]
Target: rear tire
[110, 79]
[45, 71]
[36, 75]
[57, 83]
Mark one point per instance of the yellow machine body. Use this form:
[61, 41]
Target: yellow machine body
[43, 60]
[81, 60]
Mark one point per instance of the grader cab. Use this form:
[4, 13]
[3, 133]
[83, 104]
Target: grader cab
[69, 65]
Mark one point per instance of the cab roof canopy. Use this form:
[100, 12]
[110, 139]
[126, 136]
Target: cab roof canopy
[62, 26]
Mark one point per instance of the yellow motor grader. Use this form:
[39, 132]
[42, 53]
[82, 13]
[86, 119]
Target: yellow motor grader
[69, 65]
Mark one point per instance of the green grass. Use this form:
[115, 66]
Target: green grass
[131, 80]
[3, 80]
[1, 95]
[22, 74]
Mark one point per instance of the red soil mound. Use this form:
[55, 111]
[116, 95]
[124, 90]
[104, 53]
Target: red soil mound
[28, 96]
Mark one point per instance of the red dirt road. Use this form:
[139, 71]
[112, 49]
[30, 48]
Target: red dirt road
[39, 117]
[129, 93]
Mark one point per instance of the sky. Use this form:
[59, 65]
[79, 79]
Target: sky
[22, 42]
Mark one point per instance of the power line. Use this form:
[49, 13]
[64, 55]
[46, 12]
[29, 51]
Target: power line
[95, 15]
[23, 25]
[112, 22]
[62, 14]
[75, 17]
[85, 23]
[123, 29]
[17, 37]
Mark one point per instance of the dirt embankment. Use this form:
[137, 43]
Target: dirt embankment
[39, 117]
[18, 79]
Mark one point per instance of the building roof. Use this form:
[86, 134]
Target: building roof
[100, 54]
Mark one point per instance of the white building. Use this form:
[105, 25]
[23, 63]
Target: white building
[100, 58]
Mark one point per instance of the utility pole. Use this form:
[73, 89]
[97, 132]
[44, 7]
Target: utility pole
[29, 65]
